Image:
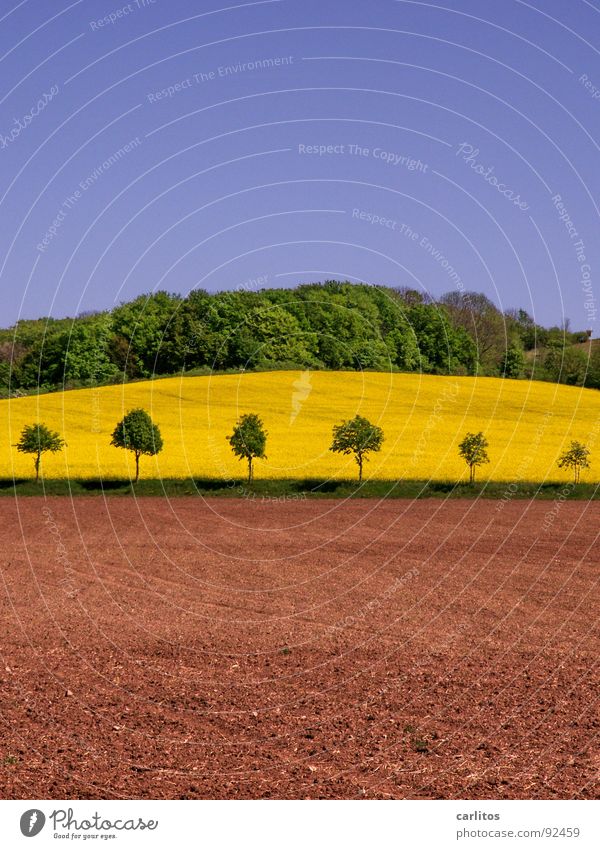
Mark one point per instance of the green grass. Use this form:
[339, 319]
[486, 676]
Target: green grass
[299, 490]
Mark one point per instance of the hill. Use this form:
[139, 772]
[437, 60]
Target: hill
[423, 416]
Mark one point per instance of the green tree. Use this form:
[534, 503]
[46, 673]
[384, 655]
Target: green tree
[75, 351]
[248, 440]
[444, 348]
[344, 322]
[359, 437]
[513, 363]
[83, 352]
[138, 433]
[528, 332]
[592, 378]
[566, 365]
[473, 451]
[576, 458]
[143, 324]
[270, 334]
[37, 439]
[403, 348]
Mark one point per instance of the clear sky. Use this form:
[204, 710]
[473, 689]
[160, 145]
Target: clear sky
[177, 144]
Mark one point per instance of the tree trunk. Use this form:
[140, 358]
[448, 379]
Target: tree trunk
[37, 467]
[137, 467]
[472, 475]
[250, 471]
[360, 462]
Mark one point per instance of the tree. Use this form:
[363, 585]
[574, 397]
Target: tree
[512, 363]
[138, 433]
[248, 440]
[593, 373]
[403, 348]
[566, 365]
[481, 319]
[359, 437]
[576, 458]
[85, 351]
[271, 334]
[520, 322]
[444, 348]
[473, 451]
[344, 323]
[37, 439]
[143, 323]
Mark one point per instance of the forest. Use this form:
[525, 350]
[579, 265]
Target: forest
[332, 325]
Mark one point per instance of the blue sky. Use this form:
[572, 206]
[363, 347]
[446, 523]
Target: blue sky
[170, 145]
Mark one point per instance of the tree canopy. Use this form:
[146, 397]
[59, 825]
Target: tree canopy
[137, 432]
[359, 437]
[249, 440]
[473, 451]
[331, 325]
[37, 439]
[576, 457]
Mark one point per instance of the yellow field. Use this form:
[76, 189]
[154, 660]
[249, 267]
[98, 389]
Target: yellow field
[423, 417]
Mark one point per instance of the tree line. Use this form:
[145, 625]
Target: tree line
[334, 325]
[357, 437]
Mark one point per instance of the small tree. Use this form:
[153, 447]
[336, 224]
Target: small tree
[359, 437]
[138, 433]
[473, 451]
[248, 440]
[37, 439]
[576, 458]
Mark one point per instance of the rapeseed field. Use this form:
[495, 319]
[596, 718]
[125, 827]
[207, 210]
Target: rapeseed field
[424, 418]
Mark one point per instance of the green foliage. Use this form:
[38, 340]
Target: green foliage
[37, 439]
[444, 348]
[521, 324]
[513, 363]
[332, 325]
[270, 490]
[403, 349]
[76, 354]
[249, 440]
[5, 378]
[473, 451]
[576, 457]
[86, 353]
[142, 323]
[271, 334]
[137, 432]
[343, 322]
[565, 365]
[592, 378]
[359, 437]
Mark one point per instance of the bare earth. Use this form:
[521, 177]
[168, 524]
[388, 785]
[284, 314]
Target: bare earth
[227, 648]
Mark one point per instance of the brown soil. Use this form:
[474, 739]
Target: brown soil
[223, 649]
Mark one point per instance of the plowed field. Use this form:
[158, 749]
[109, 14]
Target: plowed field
[233, 648]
